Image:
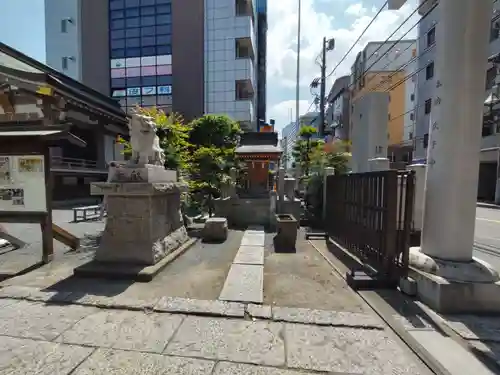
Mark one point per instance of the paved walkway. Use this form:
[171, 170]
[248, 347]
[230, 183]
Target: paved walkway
[43, 334]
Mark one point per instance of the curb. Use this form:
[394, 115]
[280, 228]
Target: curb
[425, 356]
[488, 205]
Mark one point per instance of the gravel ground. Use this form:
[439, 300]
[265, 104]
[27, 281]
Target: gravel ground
[305, 279]
[198, 273]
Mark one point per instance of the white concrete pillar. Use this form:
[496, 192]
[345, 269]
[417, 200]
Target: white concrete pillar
[418, 205]
[329, 171]
[455, 131]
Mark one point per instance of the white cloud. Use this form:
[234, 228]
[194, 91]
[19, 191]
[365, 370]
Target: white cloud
[355, 10]
[282, 39]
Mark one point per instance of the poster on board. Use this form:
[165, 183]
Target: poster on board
[5, 174]
[22, 183]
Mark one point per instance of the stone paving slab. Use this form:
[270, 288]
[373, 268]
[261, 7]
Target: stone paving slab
[475, 327]
[39, 321]
[453, 357]
[23, 356]
[227, 368]
[346, 350]
[128, 330]
[259, 342]
[33, 294]
[259, 311]
[250, 255]
[118, 362]
[244, 283]
[329, 318]
[196, 306]
[253, 239]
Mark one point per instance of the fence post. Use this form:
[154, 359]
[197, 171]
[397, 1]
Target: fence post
[390, 221]
[329, 171]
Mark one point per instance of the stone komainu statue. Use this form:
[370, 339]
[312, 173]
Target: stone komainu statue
[144, 141]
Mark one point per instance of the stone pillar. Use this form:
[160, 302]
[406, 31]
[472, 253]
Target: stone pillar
[281, 188]
[418, 208]
[379, 164]
[290, 184]
[453, 281]
[455, 129]
[329, 171]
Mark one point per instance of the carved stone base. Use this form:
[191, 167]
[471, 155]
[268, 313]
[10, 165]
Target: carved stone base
[455, 287]
[141, 173]
[144, 222]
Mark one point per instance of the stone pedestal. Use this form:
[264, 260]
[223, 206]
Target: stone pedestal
[448, 278]
[144, 222]
[144, 225]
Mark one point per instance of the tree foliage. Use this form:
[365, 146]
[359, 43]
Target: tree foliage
[213, 141]
[173, 135]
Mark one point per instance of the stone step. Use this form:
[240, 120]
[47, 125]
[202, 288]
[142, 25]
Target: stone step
[250, 255]
[253, 238]
[244, 283]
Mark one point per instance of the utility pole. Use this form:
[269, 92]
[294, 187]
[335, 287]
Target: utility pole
[297, 88]
[322, 91]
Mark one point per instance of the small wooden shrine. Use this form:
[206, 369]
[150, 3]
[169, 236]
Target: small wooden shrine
[259, 151]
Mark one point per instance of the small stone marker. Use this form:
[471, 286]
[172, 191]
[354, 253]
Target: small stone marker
[215, 229]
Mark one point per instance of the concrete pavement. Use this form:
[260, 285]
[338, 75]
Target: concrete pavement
[40, 333]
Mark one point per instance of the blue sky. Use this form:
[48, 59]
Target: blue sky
[22, 27]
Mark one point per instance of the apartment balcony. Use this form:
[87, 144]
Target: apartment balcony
[244, 62]
[244, 28]
[244, 8]
[244, 112]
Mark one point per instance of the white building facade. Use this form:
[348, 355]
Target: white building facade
[230, 60]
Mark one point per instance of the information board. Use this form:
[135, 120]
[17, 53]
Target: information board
[22, 183]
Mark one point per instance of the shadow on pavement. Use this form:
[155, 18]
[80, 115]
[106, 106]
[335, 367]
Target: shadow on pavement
[479, 333]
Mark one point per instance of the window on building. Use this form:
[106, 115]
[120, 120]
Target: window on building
[148, 11]
[242, 90]
[491, 74]
[429, 71]
[412, 116]
[164, 50]
[64, 63]
[388, 116]
[494, 29]
[164, 9]
[132, 3]
[412, 97]
[118, 53]
[116, 4]
[64, 24]
[148, 51]
[426, 140]
[133, 22]
[242, 8]
[428, 106]
[163, 19]
[148, 2]
[410, 135]
[132, 12]
[148, 21]
[431, 37]
[164, 29]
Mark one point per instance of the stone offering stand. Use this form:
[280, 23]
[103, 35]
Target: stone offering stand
[144, 228]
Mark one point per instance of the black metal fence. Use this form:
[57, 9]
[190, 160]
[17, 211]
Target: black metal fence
[371, 215]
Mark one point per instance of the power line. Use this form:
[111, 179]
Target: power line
[357, 40]
[365, 72]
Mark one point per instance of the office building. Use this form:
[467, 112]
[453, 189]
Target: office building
[338, 109]
[187, 56]
[388, 67]
[289, 135]
[490, 143]
[261, 58]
